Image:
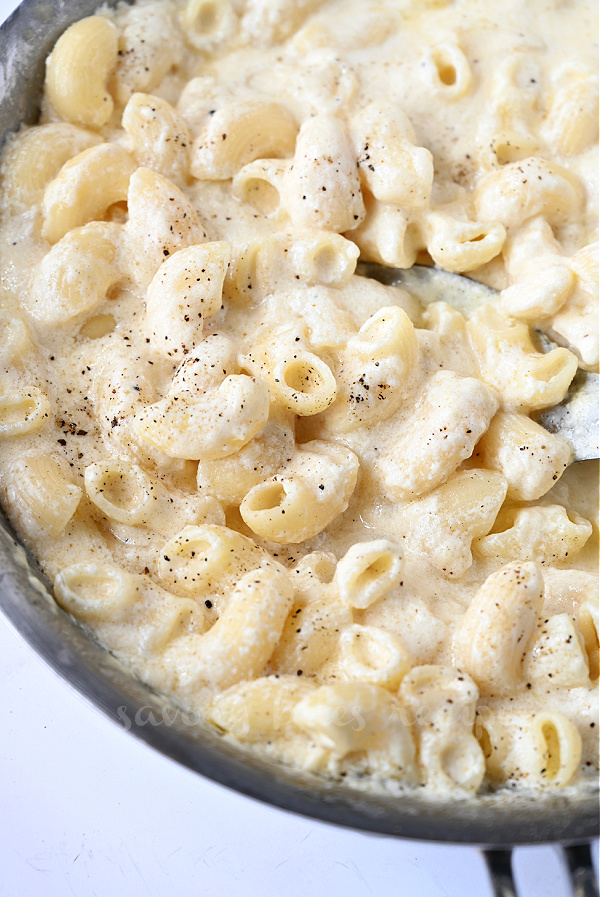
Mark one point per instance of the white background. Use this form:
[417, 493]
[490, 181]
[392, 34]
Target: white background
[86, 809]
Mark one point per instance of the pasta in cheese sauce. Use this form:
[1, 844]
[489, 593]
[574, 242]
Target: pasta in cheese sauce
[305, 507]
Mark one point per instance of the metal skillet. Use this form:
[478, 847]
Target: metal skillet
[495, 822]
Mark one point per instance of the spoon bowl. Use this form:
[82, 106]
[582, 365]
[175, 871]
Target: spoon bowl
[575, 418]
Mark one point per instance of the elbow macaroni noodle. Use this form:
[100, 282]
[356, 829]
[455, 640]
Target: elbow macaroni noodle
[77, 71]
[292, 499]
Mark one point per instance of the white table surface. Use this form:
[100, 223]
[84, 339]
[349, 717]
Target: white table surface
[86, 809]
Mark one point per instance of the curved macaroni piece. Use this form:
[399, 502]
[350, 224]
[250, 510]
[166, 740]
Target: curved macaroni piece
[212, 360]
[161, 221]
[119, 389]
[452, 762]
[22, 410]
[76, 275]
[239, 133]
[577, 320]
[568, 590]
[446, 344]
[540, 294]
[589, 627]
[15, 340]
[449, 71]
[444, 523]
[322, 257]
[281, 346]
[552, 749]
[310, 639]
[391, 166]
[332, 318]
[357, 716]
[305, 496]
[211, 426]
[495, 742]
[367, 572]
[423, 633]
[261, 184]
[387, 236]
[121, 490]
[184, 293]
[303, 384]
[442, 703]
[505, 142]
[159, 138]
[520, 190]
[388, 330]
[375, 372]
[447, 423]
[85, 188]
[370, 654]
[260, 710]
[557, 657]
[530, 458]
[322, 187]
[267, 265]
[95, 592]
[542, 749]
[509, 361]
[167, 621]
[150, 44]
[457, 245]
[546, 534]
[313, 573]
[530, 249]
[201, 557]
[571, 125]
[299, 381]
[77, 72]
[445, 320]
[492, 639]
[35, 156]
[40, 496]
[505, 133]
[206, 24]
[238, 646]
[200, 97]
[127, 495]
[426, 691]
[322, 325]
[230, 479]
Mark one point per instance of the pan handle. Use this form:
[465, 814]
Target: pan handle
[581, 870]
[578, 858]
[499, 863]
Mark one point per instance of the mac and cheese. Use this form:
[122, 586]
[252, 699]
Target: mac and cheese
[302, 504]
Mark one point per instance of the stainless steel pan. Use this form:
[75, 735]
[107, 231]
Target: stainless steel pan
[495, 822]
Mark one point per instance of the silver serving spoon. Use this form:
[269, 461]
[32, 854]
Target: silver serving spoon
[575, 418]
